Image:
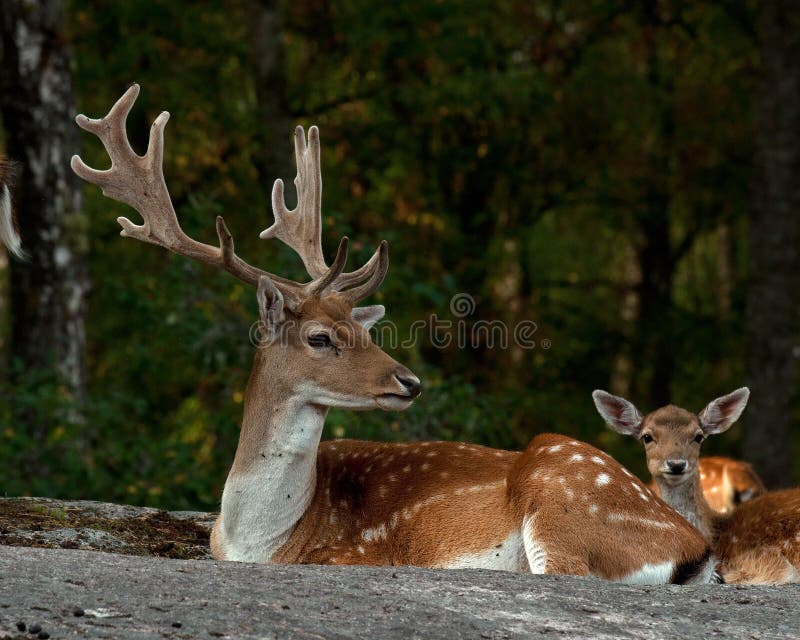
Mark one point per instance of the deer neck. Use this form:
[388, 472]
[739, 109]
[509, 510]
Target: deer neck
[273, 477]
[688, 500]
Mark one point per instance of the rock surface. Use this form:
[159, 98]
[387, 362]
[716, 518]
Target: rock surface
[101, 526]
[78, 593]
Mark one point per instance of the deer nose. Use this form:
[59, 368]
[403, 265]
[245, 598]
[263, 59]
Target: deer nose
[676, 467]
[409, 382]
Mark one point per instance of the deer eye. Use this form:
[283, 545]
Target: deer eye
[320, 341]
[698, 438]
[647, 438]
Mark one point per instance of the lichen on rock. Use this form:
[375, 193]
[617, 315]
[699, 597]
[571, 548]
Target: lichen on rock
[100, 526]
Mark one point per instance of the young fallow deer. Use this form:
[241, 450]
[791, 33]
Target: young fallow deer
[757, 542]
[562, 506]
[8, 230]
[726, 483]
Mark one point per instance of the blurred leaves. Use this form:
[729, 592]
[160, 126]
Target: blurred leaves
[506, 149]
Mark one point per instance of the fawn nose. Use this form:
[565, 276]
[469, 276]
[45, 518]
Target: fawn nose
[409, 382]
[676, 467]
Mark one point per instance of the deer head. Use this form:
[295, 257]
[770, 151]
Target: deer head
[314, 339]
[671, 436]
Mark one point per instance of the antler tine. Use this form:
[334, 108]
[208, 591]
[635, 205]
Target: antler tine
[320, 284]
[378, 273]
[352, 278]
[301, 228]
[139, 182]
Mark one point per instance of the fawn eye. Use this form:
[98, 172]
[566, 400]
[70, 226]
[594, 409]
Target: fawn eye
[698, 438]
[320, 341]
[647, 438]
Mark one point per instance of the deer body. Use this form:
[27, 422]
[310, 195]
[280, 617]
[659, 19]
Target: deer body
[759, 540]
[561, 506]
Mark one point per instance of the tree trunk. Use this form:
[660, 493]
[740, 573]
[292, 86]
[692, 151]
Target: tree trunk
[654, 348]
[269, 70]
[49, 291]
[653, 345]
[772, 299]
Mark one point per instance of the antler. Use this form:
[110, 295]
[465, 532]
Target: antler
[138, 181]
[301, 228]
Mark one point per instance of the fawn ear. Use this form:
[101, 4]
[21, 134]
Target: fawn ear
[622, 416]
[721, 413]
[368, 316]
[270, 303]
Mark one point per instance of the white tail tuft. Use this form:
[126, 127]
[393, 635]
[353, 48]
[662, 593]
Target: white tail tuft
[8, 233]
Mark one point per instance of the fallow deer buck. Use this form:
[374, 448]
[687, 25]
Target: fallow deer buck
[562, 506]
[8, 229]
[759, 541]
[726, 483]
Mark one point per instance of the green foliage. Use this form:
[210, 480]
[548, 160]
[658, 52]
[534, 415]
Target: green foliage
[525, 154]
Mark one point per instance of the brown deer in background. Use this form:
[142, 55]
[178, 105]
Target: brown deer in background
[9, 235]
[561, 506]
[759, 541]
[726, 483]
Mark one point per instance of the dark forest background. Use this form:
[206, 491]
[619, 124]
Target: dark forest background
[623, 174]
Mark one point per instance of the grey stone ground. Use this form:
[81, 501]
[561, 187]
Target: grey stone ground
[122, 596]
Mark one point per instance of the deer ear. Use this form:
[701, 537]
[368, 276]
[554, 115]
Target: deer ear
[270, 303]
[721, 413]
[368, 316]
[618, 413]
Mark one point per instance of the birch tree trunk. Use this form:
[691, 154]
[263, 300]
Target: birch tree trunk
[773, 300]
[49, 291]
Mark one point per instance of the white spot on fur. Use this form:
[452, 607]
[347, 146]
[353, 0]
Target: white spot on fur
[555, 448]
[376, 533]
[598, 460]
[602, 479]
[627, 517]
[576, 457]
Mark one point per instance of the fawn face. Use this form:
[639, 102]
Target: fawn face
[671, 436]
